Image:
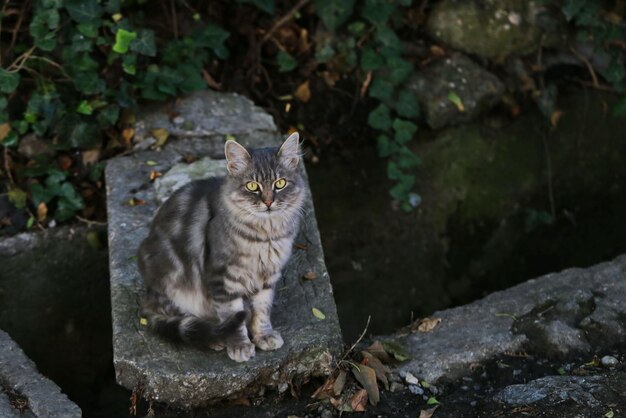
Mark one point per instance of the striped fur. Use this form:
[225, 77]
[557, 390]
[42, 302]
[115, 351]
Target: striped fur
[216, 250]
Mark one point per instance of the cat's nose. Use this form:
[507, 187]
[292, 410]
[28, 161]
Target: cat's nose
[268, 202]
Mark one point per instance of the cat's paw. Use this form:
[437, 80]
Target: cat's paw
[241, 352]
[269, 341]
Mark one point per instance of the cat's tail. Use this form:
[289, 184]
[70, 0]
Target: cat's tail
[194, 330]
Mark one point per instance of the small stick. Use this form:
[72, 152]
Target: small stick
[588, 64]
[284, 20]
[358, 340]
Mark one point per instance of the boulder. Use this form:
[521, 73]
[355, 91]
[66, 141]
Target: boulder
[184, 376]
[454, 90]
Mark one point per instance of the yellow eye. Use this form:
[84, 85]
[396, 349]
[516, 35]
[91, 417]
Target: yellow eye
[252, 186]
[280, 183]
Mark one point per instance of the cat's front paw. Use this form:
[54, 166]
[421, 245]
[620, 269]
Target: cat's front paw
[269, 341]
[241, 352]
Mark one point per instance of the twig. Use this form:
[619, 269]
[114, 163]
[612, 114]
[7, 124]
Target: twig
[90, 223]
[7, 167]
[20, 61]
[588, 64]
[284, 20]
[549, 173]
[174, 19]
[358, 340]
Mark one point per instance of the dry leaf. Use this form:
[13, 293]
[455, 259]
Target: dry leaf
[90, 156]
[330, 78]
[310, 275]
[556, 117]
[42, 212]
[127, 136]
[379, 352]
[240, 401]
[210, 81]
[5, 128]
[64, 161]
[154, 175]
[366, 83]
[303, 92]
[133, 201]
[358, 401]
[161, 135]
[151, 163]
[427, 413]
[143, 321]
[340, 382]
[324, 391]
[340, 405]
[428, 324]
[380, 369]
[318, 314]
[437, 51]
[366, 376]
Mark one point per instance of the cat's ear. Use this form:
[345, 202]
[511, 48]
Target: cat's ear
[237, 157]
[289, 152]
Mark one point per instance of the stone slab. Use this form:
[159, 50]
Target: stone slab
[573, 311]
[19, 373]
[185, 376]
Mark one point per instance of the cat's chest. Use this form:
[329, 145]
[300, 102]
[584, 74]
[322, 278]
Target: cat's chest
[267, 258]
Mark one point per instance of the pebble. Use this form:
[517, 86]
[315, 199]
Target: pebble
[178, 120]
[396, 387]
[609, 361]
[517, 372]
[416, 390]
[283, 387]
[411, 380]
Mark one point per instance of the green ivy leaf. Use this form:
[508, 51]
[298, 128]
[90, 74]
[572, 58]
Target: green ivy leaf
[79, 132]
[266, 5]
[356, 28]
[406, 158]
[380, 117]
[8, 81]
[402, 188]
[285, 62]
[620, 108]
[84, 108]
[129, 62]
[123, 38]
[393, 171]
[386, 146]
[83, 11]
[399, 69]
[407, 104]
[324, 54]
[381, 89]
[107, 116]
[144, 43]
[371, 60]
[213, 37]
[17, 197]
[404, 130]
[334, 12]
[378, 11]
[89, 83]
[69, 202]
[45, 38]
[390, 44]
[112, 6]
[89, 29]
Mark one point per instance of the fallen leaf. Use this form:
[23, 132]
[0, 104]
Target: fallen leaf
[340, 405]
[161, 135]
[556, 117]
[310, 275]
[609, 414]
[127, 136]
[90, 156]
[303, 92]
[428, 324]
[154, 175]
[133, 201]
[64, 161]
[379, 352]
[17, 197]
[366, 83]
[151, 163]
[340, 382]
[318, 314]
[381, 370]
[143, 321]
[324, 391]
[243, 401]
[366, 376]
[432, 401]
[5, 128]
[210, 81]
[42, 212]
[437, 51]
[399, 353]
[359, 400]
[93, 239]
[330, 78]
[427, 413]
[456, 100]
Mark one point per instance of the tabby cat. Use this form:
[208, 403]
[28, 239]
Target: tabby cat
[216, 249]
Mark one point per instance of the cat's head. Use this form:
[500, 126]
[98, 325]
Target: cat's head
[265, 182]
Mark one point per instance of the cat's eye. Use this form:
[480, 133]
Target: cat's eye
[252, 186]
[280, 183]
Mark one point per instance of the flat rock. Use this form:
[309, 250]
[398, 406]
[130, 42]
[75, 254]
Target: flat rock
[552, 390]
[185, 376]
[476, 88]
[586, 303]
[19, 374]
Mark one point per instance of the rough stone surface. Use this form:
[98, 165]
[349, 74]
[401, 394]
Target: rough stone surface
[528, 317]
[477, 89]
[19, 374]
[493, 28]
[185, 376]
[554, 390]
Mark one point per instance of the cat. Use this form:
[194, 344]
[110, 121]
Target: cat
[216, 249]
